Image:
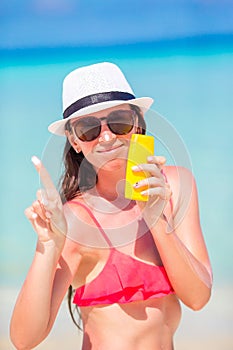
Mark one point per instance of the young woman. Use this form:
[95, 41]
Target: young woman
[129, 263]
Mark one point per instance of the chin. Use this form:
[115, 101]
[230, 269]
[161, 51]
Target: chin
[113, 165]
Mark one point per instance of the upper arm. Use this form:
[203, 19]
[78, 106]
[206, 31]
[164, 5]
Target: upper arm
[186, 213]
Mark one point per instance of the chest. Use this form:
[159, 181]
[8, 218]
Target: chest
[124, 230]
[121, 228]
[93, 264]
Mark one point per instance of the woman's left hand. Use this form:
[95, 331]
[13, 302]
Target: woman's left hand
[158, 190]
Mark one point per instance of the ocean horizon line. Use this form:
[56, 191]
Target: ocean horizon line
[194, 45]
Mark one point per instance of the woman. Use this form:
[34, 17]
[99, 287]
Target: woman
[130, 263]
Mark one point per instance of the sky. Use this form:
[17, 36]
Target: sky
[57, 23]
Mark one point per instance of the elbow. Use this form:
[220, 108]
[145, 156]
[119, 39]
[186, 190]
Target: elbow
[198, 302]
[197, 306]
[15, 337]
[21, 344]
[22, 341]
[18, 342]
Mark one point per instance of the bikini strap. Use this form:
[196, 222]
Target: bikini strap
[95, 221]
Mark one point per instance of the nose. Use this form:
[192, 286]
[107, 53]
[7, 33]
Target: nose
[106, 136]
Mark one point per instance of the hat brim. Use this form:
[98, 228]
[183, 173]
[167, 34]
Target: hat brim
[58, 127]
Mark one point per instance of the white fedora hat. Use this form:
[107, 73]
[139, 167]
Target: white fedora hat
[94, 88]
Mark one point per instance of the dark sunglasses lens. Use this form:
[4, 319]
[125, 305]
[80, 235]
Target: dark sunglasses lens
[88, 128]
[121, 122]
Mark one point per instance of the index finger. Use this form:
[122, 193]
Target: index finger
[45, 177]
[160, 160]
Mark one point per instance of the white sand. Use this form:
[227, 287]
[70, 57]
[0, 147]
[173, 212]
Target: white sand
[208, 329]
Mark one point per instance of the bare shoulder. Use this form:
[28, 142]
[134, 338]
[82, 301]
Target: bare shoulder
[181, 180]
[83, 231]
[174, 172]
[79, 208]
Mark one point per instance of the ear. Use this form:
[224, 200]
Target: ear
[73, 141]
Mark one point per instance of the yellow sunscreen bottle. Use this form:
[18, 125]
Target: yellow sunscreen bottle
[141, 146]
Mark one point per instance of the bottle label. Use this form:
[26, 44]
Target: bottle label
[141, 146]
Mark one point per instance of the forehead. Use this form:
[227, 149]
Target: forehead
[104, 112]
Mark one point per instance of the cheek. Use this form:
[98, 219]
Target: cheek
[89, 154]
[87, 147]
[91, 158]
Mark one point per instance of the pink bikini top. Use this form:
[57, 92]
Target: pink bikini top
[123, 279]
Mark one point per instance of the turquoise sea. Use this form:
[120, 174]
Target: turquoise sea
[191, 81]
[192, 85]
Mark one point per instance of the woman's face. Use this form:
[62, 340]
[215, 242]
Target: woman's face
[108, 151]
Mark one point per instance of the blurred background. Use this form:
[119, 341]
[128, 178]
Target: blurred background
[178, 52]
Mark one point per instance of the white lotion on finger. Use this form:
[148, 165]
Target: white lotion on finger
[36, 161]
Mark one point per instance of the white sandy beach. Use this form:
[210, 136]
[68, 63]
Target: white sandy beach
[208, 329]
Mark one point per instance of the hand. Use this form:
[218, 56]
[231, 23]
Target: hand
[46, 213]
[158, 190]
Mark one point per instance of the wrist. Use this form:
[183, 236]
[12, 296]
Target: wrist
[50, 247]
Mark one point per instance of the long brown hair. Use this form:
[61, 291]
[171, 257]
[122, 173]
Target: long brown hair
[77, 178]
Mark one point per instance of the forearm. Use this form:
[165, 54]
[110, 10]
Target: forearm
[32, 310]
[190, 278]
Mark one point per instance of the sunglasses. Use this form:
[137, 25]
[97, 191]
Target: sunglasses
[119, 122]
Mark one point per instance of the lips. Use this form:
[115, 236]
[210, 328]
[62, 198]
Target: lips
[108, 150]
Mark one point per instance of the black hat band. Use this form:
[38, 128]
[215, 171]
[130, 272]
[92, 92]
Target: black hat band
[96, 98]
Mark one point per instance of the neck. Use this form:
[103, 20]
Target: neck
[111, 185]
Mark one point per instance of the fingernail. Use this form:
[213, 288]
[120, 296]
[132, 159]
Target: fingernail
[135, 168]
[35, 160]
[48, 215]
[144, 193]
[44, 201]
[150, 158]
[34, 216]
